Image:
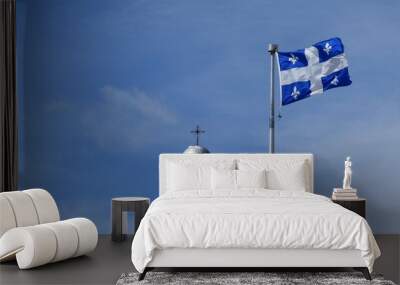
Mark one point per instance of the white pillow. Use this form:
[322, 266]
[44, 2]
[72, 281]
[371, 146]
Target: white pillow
[281, 174]
[226, 179]
[251, 178]
[223, 179]
[186, 175]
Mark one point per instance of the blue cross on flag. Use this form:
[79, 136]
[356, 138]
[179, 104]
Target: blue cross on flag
[312, 70]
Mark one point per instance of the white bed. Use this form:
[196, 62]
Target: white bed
[248, 227]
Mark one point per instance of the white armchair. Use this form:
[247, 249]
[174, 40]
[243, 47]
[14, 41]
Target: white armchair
[31, 230]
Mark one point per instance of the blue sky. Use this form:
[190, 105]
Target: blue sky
[105, 86]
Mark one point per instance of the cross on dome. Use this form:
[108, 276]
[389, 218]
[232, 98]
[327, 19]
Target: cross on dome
[293, 59]
[327, 48]
[197, 131]
[295, 93]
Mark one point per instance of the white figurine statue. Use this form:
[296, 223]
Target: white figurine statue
[347, 174]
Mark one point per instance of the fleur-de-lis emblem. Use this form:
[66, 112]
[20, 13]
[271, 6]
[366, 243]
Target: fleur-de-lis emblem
[295, 93]
[293, 58]
[327, 48]
[335, 81]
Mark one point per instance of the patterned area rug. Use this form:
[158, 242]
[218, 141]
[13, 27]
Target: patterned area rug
[269, 278]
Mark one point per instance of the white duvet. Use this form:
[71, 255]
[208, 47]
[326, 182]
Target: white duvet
[250, 219]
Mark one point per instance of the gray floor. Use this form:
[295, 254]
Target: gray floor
[389, 262]
[103, 266]
[110, 260]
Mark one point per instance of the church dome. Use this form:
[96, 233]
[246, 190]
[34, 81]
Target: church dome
[196, 149]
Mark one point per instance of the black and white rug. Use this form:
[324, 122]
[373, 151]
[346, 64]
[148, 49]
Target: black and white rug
[244, 278]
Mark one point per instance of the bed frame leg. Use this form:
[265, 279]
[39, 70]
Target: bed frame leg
[364, 271]
[143, 274]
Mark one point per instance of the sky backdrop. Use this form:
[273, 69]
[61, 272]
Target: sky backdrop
[104, 87]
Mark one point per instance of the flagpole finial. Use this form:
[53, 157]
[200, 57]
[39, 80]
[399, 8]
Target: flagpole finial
[272, 48]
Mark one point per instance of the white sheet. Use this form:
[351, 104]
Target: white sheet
[250, 219]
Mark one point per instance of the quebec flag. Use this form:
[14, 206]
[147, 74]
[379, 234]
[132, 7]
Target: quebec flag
[312, 70]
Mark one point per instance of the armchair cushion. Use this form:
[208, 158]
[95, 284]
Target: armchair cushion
[40, 244]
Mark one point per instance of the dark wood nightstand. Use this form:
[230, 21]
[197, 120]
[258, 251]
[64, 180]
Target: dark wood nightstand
[138, 205]
[358, 206]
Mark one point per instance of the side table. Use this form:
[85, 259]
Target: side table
[357, 205]
[138, 205]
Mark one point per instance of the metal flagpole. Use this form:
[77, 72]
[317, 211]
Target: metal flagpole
[272, 49]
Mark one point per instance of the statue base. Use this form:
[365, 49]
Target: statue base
[353, 190]
[344, 194]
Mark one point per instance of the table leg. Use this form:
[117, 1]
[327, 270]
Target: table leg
[117, 222]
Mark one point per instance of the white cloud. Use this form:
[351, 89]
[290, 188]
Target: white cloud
[128, 120]
[138, 101]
